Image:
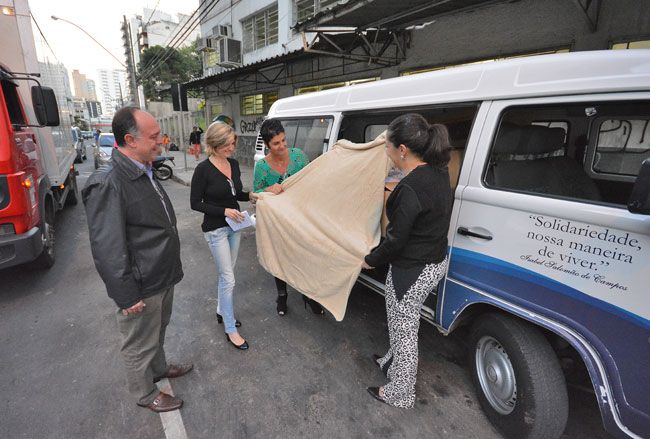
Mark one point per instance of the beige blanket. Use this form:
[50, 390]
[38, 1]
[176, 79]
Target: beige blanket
[315, 234]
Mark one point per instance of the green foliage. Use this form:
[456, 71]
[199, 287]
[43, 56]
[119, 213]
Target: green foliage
[182, 65]
[82, 124]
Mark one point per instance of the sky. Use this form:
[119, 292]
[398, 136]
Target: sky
[100, 18]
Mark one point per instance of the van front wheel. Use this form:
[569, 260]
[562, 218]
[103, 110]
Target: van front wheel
[518, 378]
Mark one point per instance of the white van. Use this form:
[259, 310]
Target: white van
[548, 267]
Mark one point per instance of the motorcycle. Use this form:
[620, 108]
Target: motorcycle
[163, 171]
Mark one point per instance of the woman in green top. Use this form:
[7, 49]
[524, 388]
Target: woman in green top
[279, 164]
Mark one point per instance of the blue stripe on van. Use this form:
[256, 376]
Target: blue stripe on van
[620, 336]
[462, 257]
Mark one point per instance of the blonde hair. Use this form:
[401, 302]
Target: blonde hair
[217, 136]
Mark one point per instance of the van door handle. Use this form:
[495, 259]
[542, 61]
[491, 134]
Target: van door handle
[466, 232]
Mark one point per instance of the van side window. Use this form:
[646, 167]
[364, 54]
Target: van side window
[364, 126]
[584, 152]
[311, 135]
[12, 102]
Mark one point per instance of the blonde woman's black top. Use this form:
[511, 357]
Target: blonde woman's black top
[212, 193]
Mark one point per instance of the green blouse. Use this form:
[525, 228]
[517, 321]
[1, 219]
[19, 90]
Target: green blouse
[265, 176]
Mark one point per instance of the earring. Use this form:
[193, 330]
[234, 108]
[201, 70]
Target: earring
[401, 157]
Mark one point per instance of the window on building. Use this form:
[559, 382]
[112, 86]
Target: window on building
[305, 9]
[639, 44]
[210, 58]
[589, 152]
[257, 104]
[261, 29]
[314, 88]
[482, 61]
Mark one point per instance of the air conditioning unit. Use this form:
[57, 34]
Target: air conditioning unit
[230, 52]
[206, 44]
[222, 31]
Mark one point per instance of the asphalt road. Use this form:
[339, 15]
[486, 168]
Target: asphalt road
[304, 376]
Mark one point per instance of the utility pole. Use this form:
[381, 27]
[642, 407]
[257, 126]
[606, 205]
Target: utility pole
[127, 39]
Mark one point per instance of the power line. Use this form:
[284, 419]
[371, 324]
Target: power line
[171, 45]
[152, 12]
[164, 56]
[162, 59]
[44, 39]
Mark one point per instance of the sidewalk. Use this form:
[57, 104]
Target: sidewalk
[184, 177]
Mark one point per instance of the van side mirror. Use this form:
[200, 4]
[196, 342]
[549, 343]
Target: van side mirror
[45, 106]
[639, 201]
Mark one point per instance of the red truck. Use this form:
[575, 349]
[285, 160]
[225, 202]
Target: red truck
[37, 175]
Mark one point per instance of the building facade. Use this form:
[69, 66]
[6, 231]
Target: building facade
[256, 51]
[55, 75]
[83, 87]
[112, 90]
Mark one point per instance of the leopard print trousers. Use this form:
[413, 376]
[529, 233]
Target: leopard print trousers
[403, 325]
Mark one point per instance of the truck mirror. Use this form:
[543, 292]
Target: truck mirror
[639, 201]
[45, 106]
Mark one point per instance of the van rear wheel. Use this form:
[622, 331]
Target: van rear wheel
[46, 258]
[518, 378]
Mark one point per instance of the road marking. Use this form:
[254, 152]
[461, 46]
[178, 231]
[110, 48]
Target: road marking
[172, 422]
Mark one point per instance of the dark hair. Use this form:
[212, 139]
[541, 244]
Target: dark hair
[428, 142]
[124, 123]
[270, 128]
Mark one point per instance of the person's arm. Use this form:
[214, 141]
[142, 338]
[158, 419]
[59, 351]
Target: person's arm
[197, 191]
[106, 215]
[407, 208]
[239, 188]
[259, 177]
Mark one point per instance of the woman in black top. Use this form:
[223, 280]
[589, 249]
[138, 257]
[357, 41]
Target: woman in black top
[419, 211]
[216, 188]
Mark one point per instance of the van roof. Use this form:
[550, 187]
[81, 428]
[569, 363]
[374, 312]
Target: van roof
[543, 75]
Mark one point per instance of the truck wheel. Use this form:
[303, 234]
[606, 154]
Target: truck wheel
[46, 258]
[163, 172]
[518, 378]
[73, 194]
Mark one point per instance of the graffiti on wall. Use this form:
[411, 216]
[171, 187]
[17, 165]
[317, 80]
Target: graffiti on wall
[250, 126]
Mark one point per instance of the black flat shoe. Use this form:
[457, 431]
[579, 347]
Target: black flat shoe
[241, 347]
[220, 321]
[316, 308]
[374, 392]
[282, 305]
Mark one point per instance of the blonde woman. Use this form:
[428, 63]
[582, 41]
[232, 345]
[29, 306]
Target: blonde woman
[216, 190]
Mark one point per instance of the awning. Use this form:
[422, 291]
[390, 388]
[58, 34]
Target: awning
[388, 14]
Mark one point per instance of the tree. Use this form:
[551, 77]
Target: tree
[180, 65]
[81, 123]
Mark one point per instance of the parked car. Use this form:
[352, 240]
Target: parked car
[103, 150]
[87, 135]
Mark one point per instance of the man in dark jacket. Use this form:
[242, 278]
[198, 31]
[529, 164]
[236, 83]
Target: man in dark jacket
[136, 249]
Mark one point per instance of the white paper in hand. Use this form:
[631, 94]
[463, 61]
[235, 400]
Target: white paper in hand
[247, 222]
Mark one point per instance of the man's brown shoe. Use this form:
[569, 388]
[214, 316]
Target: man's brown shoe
[175, 371]
[164, 403]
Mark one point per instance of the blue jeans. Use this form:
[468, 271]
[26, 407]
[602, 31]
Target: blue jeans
[224, 245]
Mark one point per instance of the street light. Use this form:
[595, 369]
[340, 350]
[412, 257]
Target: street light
[93, 38]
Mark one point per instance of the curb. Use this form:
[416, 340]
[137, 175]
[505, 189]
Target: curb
[177, 179]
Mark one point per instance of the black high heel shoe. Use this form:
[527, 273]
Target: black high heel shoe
[316, 308]
[241, 347]
[220, 321]
[282, 304]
